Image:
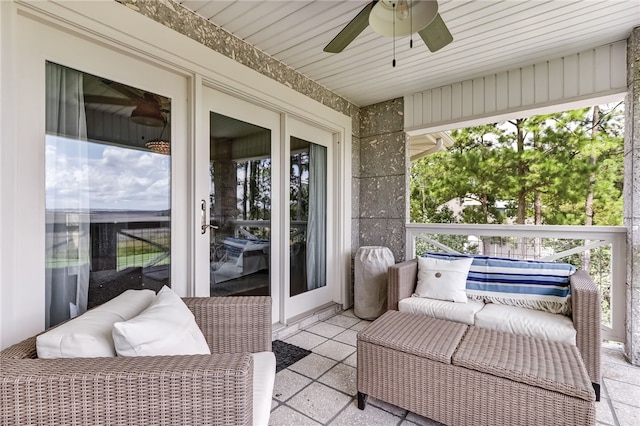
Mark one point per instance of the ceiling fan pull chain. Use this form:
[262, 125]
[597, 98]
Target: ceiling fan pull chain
[393, 5]
[411, 27]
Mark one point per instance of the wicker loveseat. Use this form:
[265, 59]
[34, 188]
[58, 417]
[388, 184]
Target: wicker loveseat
[585, 307]
[156, 390]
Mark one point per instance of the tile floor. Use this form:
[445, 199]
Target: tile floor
[320, 389]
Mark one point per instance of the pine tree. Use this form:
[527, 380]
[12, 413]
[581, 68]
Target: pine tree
[547, 168]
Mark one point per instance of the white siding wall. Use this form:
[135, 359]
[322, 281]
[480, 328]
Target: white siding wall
[598, 73]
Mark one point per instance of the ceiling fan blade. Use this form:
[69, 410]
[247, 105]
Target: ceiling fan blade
[109, 100]
[436, 35]
[351, 30]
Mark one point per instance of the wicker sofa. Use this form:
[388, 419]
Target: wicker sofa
[585, 303]
[158, 390]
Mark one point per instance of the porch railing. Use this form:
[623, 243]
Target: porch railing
[601, 250]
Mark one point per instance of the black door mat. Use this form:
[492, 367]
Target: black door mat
[287, 354]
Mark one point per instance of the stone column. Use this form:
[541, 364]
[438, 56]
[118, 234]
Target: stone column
[632, 196]
[382, 176]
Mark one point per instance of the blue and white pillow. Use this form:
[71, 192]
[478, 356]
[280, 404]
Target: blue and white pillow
[234, 247]
[530, 284]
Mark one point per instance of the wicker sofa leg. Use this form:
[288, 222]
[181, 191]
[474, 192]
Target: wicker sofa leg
[596, 387]
[362, 400]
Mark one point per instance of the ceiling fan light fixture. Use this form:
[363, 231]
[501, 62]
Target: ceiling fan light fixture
[383, 15]
[402, 10]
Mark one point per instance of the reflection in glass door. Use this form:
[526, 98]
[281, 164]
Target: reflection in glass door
[240, 207]
[108, 191]
[308, 214]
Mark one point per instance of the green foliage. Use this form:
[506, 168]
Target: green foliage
[299, 186]
[558, 158]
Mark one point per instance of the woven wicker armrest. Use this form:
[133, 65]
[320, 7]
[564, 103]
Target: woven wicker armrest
[585, 304]
[234, 324]
[402, 282]
[21, 350]
[194, 389]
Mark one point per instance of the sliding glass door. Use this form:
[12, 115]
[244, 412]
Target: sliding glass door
[263, 223]
[265, 208]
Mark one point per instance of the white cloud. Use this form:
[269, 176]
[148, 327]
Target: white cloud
[83, 174]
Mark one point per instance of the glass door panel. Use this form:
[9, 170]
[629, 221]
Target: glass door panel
[240, 207]
[311, 281]
[108, 191]
[308, 216]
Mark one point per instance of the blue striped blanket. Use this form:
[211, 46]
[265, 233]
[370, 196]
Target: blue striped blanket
[530, 284]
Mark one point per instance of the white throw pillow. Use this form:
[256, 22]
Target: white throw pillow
[443, 279]
[166, 327]
[89, 335]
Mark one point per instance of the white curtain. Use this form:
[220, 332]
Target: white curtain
[317, 222]
[67, 203]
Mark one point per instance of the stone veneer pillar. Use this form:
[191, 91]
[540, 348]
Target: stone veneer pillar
[382, 175]
[632, 196]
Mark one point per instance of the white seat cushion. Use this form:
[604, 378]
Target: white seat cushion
[166, 327]
[89, 335]
[452, 311]
[264, 374]
[527, 322]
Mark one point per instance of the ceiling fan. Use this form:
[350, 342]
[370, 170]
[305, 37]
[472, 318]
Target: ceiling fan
[148, 109]
[395, 18]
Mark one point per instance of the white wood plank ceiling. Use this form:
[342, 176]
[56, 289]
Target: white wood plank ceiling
[489, 36]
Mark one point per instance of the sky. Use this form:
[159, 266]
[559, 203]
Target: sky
[87, 175]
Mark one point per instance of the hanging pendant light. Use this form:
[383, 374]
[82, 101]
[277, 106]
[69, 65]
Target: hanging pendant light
[159, 145]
